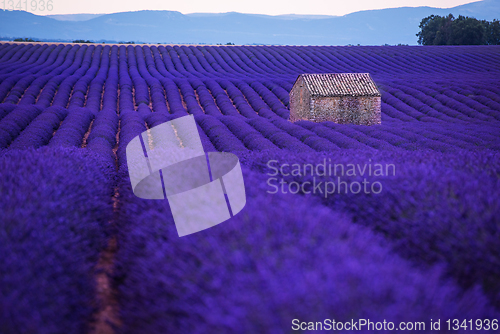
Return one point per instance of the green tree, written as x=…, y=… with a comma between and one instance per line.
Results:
x=492, y=32
x=24, y=40
x=434, y=30
x=467, y=31
x=463, y=30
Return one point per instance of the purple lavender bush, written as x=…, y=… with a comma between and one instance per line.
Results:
x=283, y=257
x=424, y=247
x=437, y=208
x=56, y=208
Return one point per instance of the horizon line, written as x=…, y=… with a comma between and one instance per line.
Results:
x=230, y=12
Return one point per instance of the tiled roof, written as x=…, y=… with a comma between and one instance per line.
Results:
x=340, y=84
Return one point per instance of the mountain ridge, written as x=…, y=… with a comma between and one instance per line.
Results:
x=370, y=27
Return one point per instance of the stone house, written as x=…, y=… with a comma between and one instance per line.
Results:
x=344, y=98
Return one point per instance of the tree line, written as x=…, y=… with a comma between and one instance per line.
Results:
x=463, y=30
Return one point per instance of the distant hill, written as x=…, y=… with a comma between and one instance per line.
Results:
x=372, y=27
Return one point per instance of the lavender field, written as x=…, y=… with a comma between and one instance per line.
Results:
x=80, y=253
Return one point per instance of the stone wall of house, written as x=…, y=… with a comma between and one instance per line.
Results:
x=346, y=110
x=361, y=110
x=300, y=99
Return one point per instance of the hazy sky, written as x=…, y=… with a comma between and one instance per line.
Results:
x=271, y=7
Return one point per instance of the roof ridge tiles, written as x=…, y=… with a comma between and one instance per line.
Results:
x=340, y=84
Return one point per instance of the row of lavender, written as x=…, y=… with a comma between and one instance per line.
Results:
x=280, y=60
x=286, y=256
x=283, y=257
x=31, y=127
x=287, y=61
x=268, y=73
x=280, y=257
x=55, y=212
x=146, y=82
